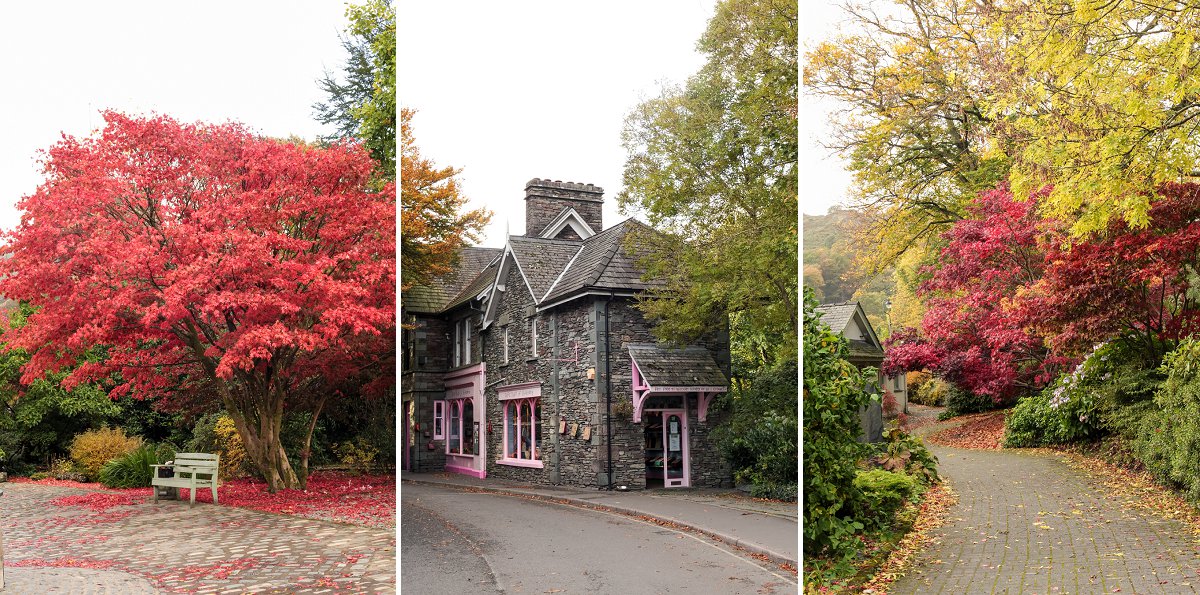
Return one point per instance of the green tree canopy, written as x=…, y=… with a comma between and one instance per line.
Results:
x=363, y=104
x=714, y=163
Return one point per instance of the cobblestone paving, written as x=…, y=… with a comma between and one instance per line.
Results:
x=177, y=549
x=1028, y=523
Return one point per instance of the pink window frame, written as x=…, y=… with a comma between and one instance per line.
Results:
x=457, y=405
x=439, y=420
x=518, y=406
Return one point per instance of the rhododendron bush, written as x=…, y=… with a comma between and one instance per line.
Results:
x=251, y=271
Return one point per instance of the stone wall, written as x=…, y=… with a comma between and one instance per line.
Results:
x=513, y=310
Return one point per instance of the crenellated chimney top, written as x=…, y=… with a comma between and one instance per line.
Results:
x=546, y=200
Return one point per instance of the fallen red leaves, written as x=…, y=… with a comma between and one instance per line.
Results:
x=101, y=501
x=367, y=500
x=982, y=430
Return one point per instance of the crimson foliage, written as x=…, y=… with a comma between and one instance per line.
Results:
x=1134, y=286
x=977, y=331
x=206, y=257
x=1014, y=300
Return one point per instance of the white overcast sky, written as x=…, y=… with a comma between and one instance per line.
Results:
x=824, y=180
x=254, y=62
x=510, y=91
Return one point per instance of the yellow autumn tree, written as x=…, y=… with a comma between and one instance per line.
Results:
x=433, y=225
x=1102, y=103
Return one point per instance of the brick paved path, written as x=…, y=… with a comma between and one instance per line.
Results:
x=169, y=548
x=1027, y=523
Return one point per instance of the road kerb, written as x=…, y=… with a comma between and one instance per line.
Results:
x=736, y=542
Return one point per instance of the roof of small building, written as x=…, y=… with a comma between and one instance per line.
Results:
x=839, y=316
x=670, y=366
x=445, y=291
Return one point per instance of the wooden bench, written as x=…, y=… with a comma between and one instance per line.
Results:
x=191, y=470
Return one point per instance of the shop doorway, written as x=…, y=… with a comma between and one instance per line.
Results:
x=666, y=442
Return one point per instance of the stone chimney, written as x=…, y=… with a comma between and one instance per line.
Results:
x=545, y=200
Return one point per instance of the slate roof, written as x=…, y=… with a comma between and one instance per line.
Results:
x=837, y=316
x=667, y=366
x=604, y=263
x=542, y=260
x=555, y=269
x=445, y=290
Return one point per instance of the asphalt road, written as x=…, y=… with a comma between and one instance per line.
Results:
x=456, y=542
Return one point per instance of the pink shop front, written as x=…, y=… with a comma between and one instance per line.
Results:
x=456, y=421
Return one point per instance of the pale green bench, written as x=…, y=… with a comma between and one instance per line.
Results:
x=192, y=470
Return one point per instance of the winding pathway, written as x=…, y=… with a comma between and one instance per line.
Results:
x=1028, y=523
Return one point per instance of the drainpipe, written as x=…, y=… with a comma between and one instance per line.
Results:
x=608, y=389
x=556, y=472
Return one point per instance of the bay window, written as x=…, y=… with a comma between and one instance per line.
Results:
x=523, y=431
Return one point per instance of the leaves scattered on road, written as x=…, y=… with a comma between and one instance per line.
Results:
x=931, y=515
x=981, y=431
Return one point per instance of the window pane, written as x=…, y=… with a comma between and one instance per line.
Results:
x=526, y=430
x=510, y=425
x=455, y=439
x=537, y=432
x=468, y=417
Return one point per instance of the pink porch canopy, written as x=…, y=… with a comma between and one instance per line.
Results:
x=665, y=370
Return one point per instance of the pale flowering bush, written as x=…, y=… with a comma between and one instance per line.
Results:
x=1065, y=411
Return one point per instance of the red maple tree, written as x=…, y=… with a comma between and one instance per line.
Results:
x=206, y=258
x=979, y=331
x=1131, y=285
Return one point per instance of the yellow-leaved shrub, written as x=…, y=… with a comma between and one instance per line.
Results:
x=92, y=449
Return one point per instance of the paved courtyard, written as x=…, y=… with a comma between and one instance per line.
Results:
x=166, y=547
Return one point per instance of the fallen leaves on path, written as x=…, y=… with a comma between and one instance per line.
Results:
x=101, y=501
x=981, y=430
x=932, y=514
x=367, y=500
x=1137, y=489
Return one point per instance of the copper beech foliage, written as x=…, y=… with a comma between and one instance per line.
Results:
x=205, y=258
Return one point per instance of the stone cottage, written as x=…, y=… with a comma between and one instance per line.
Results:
x=850, y=321
x=531, y=362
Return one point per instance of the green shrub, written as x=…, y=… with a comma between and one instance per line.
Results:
x=130, y=470
x=884, y=492
x=1031, y=423
x=924, y=389
x=215, y=433
x=902, y=452
x=91, y=450
x=357, y=455
x=1169, y=440
x=785, y=492
x=66, y=470
x=832, y=397
x=962, y=402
